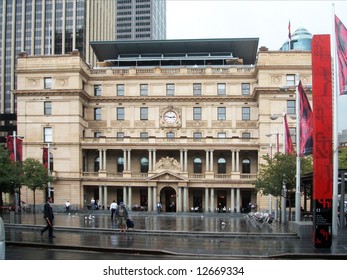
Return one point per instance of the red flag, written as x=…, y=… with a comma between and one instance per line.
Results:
x=289, y=142
x=45, y=157
x=306, y=123
x=289, y=33
x=16, y=151
x=341, y=46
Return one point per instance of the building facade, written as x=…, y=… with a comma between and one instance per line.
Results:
x=141, y=20
x=187, y=130
x=43, y=27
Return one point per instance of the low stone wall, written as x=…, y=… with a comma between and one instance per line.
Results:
x=304, y=229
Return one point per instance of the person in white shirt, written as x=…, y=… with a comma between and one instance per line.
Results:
x=113, y=208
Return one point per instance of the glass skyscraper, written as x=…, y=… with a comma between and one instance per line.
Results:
x=44, y=27
x=141, y=20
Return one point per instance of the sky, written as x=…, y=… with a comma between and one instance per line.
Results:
x=266, y=20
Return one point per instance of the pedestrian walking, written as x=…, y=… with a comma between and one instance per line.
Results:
x=159, y=206
x=113, y=208
x=67, y=206
x=122, y=216
x=49, y=217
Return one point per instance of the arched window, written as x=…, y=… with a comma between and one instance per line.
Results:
x=144, y=165
x=222, y=166
x=197, y=165
x=246, y=166
x=120, y=164
x=96, y=164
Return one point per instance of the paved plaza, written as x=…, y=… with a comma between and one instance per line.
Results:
x=219, y=235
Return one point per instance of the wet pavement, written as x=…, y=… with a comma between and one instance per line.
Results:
x=189, y=235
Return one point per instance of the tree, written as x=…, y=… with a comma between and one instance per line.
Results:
x=35, y=176
x=281, y=169
x=10, y=174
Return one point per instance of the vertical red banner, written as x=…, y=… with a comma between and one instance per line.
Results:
x=322, y=140
x=45, y=157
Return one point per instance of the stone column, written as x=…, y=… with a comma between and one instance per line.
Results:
x=212, y=200
x=125, y=195
x=233, y=160
x=105, y=197
x=237, y=161
x=211, y=160
x=154, y=159
x=149, y=195
x=100, y=160
x=104, y=160
x=130, y=198
x=238, y=197
x=207, y=161
x=179, y=200
x=125, y=162
x=185, y=160
x=100, y=195
x=150, y=164
x=206, y=200
x=232, y=202
x=154, y=198
x=185, y=196
x=181, y=160
x=129, y=160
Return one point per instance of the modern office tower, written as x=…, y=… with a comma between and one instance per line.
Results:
x=43, y=27
x=181, y=122
x=141, y=20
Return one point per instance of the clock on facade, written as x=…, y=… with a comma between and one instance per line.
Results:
x=170, y=117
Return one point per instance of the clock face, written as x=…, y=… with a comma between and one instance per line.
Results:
x=170, y=117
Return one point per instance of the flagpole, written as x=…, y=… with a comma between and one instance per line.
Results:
x=297, y=188
x=335, y=132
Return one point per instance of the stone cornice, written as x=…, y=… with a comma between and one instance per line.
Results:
x=50, y=92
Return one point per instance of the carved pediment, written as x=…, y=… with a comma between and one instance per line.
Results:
x=168, y=163
x=167, y=176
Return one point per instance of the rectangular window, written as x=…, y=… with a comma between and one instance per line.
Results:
x=170, y=135
x=97, y=134
x=221, y=113
x=47, y=134
x=120, y=90
x=290, y=80
x=120, y=114
x=221, y=135
x=291, y=107
x=221, y=89
x=170, y=89
x=196, y=89
x=246, y=88
x=47, y=108
x=48, y=82
x=144, y=135
x=246, y=113
x=144, y=90
x=97, y=90
x=120, y=136
x=292, y=131
x=144, y=113
x=197, y=113
x=246, y=135
x=197, y=135
x=97, y=114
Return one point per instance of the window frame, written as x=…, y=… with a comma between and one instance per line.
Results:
x=48, y=134
x=221, y=113
x=120, y=89
x=291, y=107
x=47, y=110
x=197, y=113
x=170, y=89
x=290, y=80
x=120, y=111
x=197, y=89
x=97, y=114
x=221, y=89
x=143, y=89
x=144, y=113
x=48, y=82
x=246, y=116
x=245, y=88
x=97, y=90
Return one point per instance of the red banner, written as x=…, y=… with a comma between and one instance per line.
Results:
x=15, y=148
x=322, y=140
x=45, y=157
x=341, y=46
x=289, y=142
x=306, y=123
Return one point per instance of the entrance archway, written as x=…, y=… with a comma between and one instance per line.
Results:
x=168, y=199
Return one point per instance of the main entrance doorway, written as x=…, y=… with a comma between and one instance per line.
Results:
x=168, y=199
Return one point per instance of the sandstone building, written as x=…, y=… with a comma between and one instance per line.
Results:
x=183, y=122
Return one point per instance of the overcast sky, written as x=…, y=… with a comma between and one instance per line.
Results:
x=266, y=20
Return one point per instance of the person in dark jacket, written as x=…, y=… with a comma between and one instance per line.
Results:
x=49, y=217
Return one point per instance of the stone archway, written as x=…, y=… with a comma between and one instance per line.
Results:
x=168, y=198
